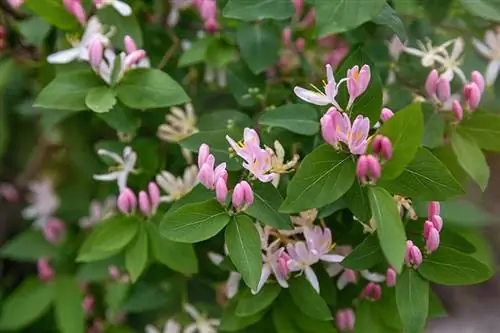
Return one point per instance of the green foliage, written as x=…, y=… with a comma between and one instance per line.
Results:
x=136, y=255
x=249, y=304
x=28, y=246
x=100, y=99
x=483, y=128
x=364, y=256
x=308, y=300
x=68, y=305
x=258, y=9
x=412, y=297
x=53, y=11
x=488, y=9
x=297, y=118
x=259, y=45
x=267, y=201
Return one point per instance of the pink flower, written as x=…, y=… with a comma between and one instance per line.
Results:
x=345, y=320
x=382, y=146
x=54, y=231
x=372, y=291
x=368, y=168
x=386, y=114
x=75, y=8
x=457, y=110
x=88, y=303
x=221, y=191
x=45, y=271
x=242, y=195
x=431, y=83
x=432, y=240
x=472, y=95
x=96, y=53
x=413, y=255
x=15, y=3
x=443, y=89
x=130, y=45
x=391, y=277
x=434, y=208
x=358, y=135
x=127, y=201
x=336, y=126
x=144, y=203
x=357, y=82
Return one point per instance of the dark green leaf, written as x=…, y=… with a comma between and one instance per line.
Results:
x=223, y=120
x=483, y=128
x=230, y=322
x=196, y=53
x=487, y=9
x=390, y=230
x=194, y=222
x=220, y=53
x=365, y=255
x=366, y=320
x=436, y=308
x=357, y=201
x=28, y=246
x=68, y=302
x=412, y=297
x=198, y=193
x=308, y=300
x=258, y=9
x=454, y=240
x=259, y=45
x=34, y=30
x=249, y=304
x=122, y=119
x=297, y=118
x=434, y=127
x=389, y=18
x=243, y=245
x=282, y=322
x=267, y=201
x=136, y=255
x=124, y=25
x=100, y=99
x=54, y=12
x=322, y=178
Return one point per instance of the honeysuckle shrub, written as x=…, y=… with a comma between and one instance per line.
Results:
x=243, y=165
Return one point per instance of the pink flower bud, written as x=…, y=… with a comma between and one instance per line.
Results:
x=133, y=58
x=114, y=272
x=472, y=95
x=129, y=43
x=208, y=10
x=328, y=129
x=309, y=19
x=248, y=193
x=299, y=7
x=9, y=192
x=220, y=172
x=432, y=241
x=443, y=89
x=96, y=51
x=357, y=82
x=431, y=83
x=372, y=291
x=144, y=204
x=386, y=114
x=286, y=36
x=374, y=168
x=88, y=303
x=345, y=320
x=413, y=255
x=391, y=277
x=154, y=194
x=300, y=44
x=206, y=176
x=428, y=226
x=238, y=196
x=377, y=143
x=75, y=8
x=283, y=260
x=386, y=148
x=15, y=3
x=221, y=190
x=54, y=231
x=437, y=221
x=45, y=271
x=203, y=154
x=434, y=208
x=350, y=276
x=478, y=79
x=127, y=201
x=458, y=112
x=362, y=168
x=211, y=25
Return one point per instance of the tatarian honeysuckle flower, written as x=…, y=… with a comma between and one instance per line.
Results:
x=368, y=169
x=88, y=303
x=432, y=241
x=96, y=54
x=433, y=208
x=405, y=204
x=201, y=324
x=299, y=7
x=357, y=82
x=242, y=196
x=428, y=53
x=121, y=7
x=54, y=231
x=221, y=191
x=209, y=174
x=452, y=61
x=45, y=271
x=15, y=3
x=443, y=91
x=382, y=146
x=98, y=212
x=43, y=202
x=413, y=257
x=386, y=114
x=347, y=276
x=144, y=204
x=372, y=292
x=318, y=97
x=208, y=13
x=336, y=126
x=125, y=166
x=177, y=187
x=175, y=7
x=171, y=326
x=395, y=47
x=345, y=320
x=75, y=8
x=79, y=50
x=116, y=275
x=478, y=79
x=275, y=261
x=180, y=123
x=278, y=165
x=431, y=83
x=472, y=96
x=490, y=49
x=127, y=201
x=303, y=220
x=215, y=75
x=286, y=36
x=391, y=277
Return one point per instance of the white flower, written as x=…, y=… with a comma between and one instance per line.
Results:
x=349, y=276
x=177, y=187
x=171, y=326
x=451, y=62
x=233, y=281
x=97, y=212
x=179, y=124
x=278, y=164
x=201, y=324
x=175, y=7
x=79, y=50
x=125, y=166
x=120, y=6
x=303, y=220
x=396, y=47
x=490, y=49
x=218, y=75
x=43, y=202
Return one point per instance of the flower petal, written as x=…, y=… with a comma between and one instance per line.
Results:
x=312, y=278
x=266, y=272
x=122, y=8
x=334, y=258
x=233, y=284
x=372, y=277
x=492, y=72
x=310, y=96
x=64, y=57
x=107, y=177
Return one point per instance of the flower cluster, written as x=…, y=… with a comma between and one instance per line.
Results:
x=336, y=127
x=177, y=187
x=125, y=166
x=432, y=227
x=148, y=202
x=201, y=324
x=368, y=168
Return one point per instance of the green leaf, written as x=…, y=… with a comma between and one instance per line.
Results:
x=267, y=200
x=390, y=18
x=436, y=309
x=198, y=193
x=115, y=296
x=483, y=128
x=243, y=245
x=230, y=322
x=196, y=53
x=34, y=30
x=434, y=128
x=364, y=256
x=454, y=240
x=136, y=255
x=366, y=320
x=390, y=230
x=452, y=268
x=167, y=252
x=282, y=322
x=124, y=25
x=109, y=237
x=425, y=178
x=122, y=119
x=369, y=103
x=297, y=118
x=68, y=91
x=471, y=158
x=487, y=9
x=259, y=45
x=357, y=201
x=343, y=15
x=194, y=222
x=26, y=304
x=412, y=298
x=100, y=99
x=97, y=271
x=146, y=297
x=54, y=12
x=220, y=53
x=149, y=88
x=322, y=178
x=405, y=130
x=249, y=304
x=223, y=120
x=308, y=300
x=68, y=303
x=28, y=246
x=257, y=10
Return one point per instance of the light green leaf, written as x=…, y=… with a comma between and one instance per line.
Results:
x=97, y=271
x=220, y=53
x=109, y=237
x=136, y=255
x=34, y=30
x=471, y=158
x=434, y=127
x=390, y=18
x=150, y=296
x=54, y=12
x=405, y=130
x=258, y=9
x=267, y=200
x=68, y=303
x=259, y=45
x=26, y=304
x=343, y=15
x=412, y=298
x=452, y=268
x=487, y=9
x=68, y=91
x=297, y=118
x=390, y=230
x=115, y=296
x=308, y=300
x=196, y=53
x=124, y=25
x=425, y=178
x=483, y=128
x=364, y=256
x=322, y=178
x=194, y=222
x=436, y=309
x=366, y=319
x=28, y=246
x=122, y=119
x=149, y=88
x=250, y=304
x=167, y=252
x=230, y=322
x=243, y=245
x=198, y=194
x=100, y=99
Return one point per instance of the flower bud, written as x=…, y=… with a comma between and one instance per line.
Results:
x=478, y=79
x=208, y=10
x=374, y=168
x=458, y=112
x=96, y=52
x=437, y=221
x=154, y=194
x=211, y=25
x=377, y=144
x=372, y=291
x=434, y=208
x=345, y=320
x=472, y=95
x=413, y=255
x=283, y=260
x=54, y=231
x=431, y=83
x=238, y=196
x=221, y=190
x=206, y=176
x=76, y=9
x=15, y=3
x=386, y=148
x=286, y=36
x=428, y=225
x=248, y=193
x=299, y=7
x=443, y=89
x=386, y=114
x=133, y=58
x=350, y=276
x=391, y=277
x=300, y=44
x=144, y=203
x=130, y=45
x=114, y=272
x=328, y=129
x=432, y=241
x=203, y=153
x=45, y=271
x=88, y=303
x=127, y=201
x=362, y=167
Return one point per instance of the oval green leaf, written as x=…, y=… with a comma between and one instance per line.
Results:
x=297, y=118
x=412, y=298
x=267, y=200
x=364, y=256
x=249, y=304
x=69, y=312
x=308, y=300
x=136, y=255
